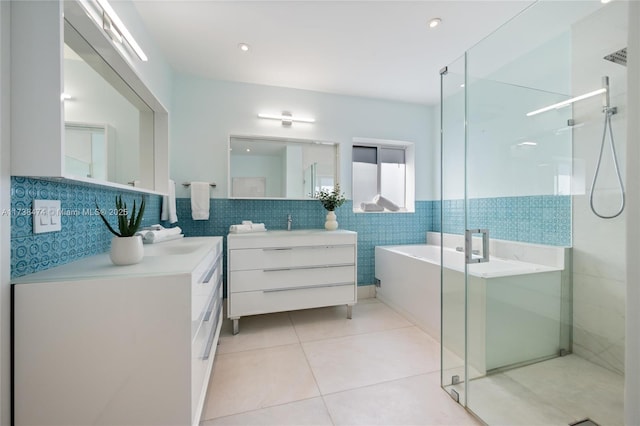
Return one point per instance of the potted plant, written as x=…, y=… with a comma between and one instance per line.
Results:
x=126, y=246
x=331, y=200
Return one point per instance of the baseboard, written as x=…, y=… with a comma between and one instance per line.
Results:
x=366, y=291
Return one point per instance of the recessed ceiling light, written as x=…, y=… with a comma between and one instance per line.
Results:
x=605, y=1
x=244, y=47
x=462, y=85
x=434, y=22
x=248, y=150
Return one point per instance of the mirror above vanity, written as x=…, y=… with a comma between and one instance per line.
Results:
x=83, y=113
x=280, y=168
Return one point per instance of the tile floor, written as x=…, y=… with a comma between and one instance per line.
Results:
x=559, y=391
x=315, y=367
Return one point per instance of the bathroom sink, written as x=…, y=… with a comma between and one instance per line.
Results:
x=171, y=248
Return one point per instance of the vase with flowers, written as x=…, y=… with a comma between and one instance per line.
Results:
x=331, y=200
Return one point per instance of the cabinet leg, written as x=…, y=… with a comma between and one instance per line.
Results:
x=349, y=311
x=236, y=326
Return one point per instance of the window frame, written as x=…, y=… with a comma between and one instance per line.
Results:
x=409, y=161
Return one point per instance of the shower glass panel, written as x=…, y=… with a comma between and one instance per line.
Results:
x=526, y=344
x=453, y=287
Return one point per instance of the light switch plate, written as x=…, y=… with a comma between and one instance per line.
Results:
x=46, y=216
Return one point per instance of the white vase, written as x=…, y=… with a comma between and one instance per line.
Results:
x=126, y=250
x=331, y=224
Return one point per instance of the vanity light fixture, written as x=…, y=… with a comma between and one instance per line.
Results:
x=434, y=22
x=104, y=15
x=244, y=47
x=527, y=143
x=567, y=102
x=286, y=118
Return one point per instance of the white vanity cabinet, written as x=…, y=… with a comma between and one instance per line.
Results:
x=278, y=271
x=101, y=344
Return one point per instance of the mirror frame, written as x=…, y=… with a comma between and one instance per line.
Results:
x=297, y=141
x=154, y=171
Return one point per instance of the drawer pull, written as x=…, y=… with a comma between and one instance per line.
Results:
x=326, y=246
x=212, y=335
x=207, y=315
x=295, y=268
x=303, y=287
x=211, y=271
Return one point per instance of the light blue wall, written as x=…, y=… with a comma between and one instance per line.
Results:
x=205, y=112
x=156, y=73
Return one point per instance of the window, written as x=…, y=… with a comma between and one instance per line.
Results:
x=382, y=171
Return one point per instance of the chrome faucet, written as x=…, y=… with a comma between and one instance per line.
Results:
x=289, y=221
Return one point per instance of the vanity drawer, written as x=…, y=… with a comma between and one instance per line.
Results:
x=202, y=348
x=283, y=257
x=203, y=281
x=199, y=318
x=259, y=302
x=280, y=278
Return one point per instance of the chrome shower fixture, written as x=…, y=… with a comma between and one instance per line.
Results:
x=618, y=57
x=608, y=111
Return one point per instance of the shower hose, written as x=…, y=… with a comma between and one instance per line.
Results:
x=607, y=124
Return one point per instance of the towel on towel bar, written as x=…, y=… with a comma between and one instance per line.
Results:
x=200, y=200
x=169, y=204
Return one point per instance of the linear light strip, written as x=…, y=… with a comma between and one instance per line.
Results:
x=123, y=30
x=287, y=118
x=567, y=102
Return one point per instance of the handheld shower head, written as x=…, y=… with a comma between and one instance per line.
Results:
x=606, y=100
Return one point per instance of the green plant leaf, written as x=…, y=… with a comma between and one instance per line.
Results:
x=106, y=222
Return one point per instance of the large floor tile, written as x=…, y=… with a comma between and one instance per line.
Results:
x=310, y=412
x=257, y=331
x=250, y=380
x=324, y=323
x=499, y=400
x=577, y=386
x=354, y=361
x=417, y=400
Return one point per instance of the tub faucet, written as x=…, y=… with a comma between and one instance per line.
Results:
x=289, y=221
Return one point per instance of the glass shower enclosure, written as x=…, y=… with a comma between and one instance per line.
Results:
x=524, y=340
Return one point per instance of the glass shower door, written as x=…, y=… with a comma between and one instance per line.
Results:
x=453, y=303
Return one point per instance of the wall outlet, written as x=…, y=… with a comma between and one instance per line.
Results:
x=46, y=216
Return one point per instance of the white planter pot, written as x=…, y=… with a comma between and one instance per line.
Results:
x=331, y=223
x=126, y=250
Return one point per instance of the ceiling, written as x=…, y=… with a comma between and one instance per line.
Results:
x=376, y=49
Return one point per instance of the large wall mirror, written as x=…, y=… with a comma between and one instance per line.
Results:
x=105, y=120
x=271, y=167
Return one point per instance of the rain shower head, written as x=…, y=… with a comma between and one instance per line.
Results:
x=619, y=57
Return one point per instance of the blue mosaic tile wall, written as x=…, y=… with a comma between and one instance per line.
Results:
x=83, y=233
x=542, y=219
x=373, y=228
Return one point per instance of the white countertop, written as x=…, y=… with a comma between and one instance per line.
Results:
x=292, y=233
x=171, y=257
